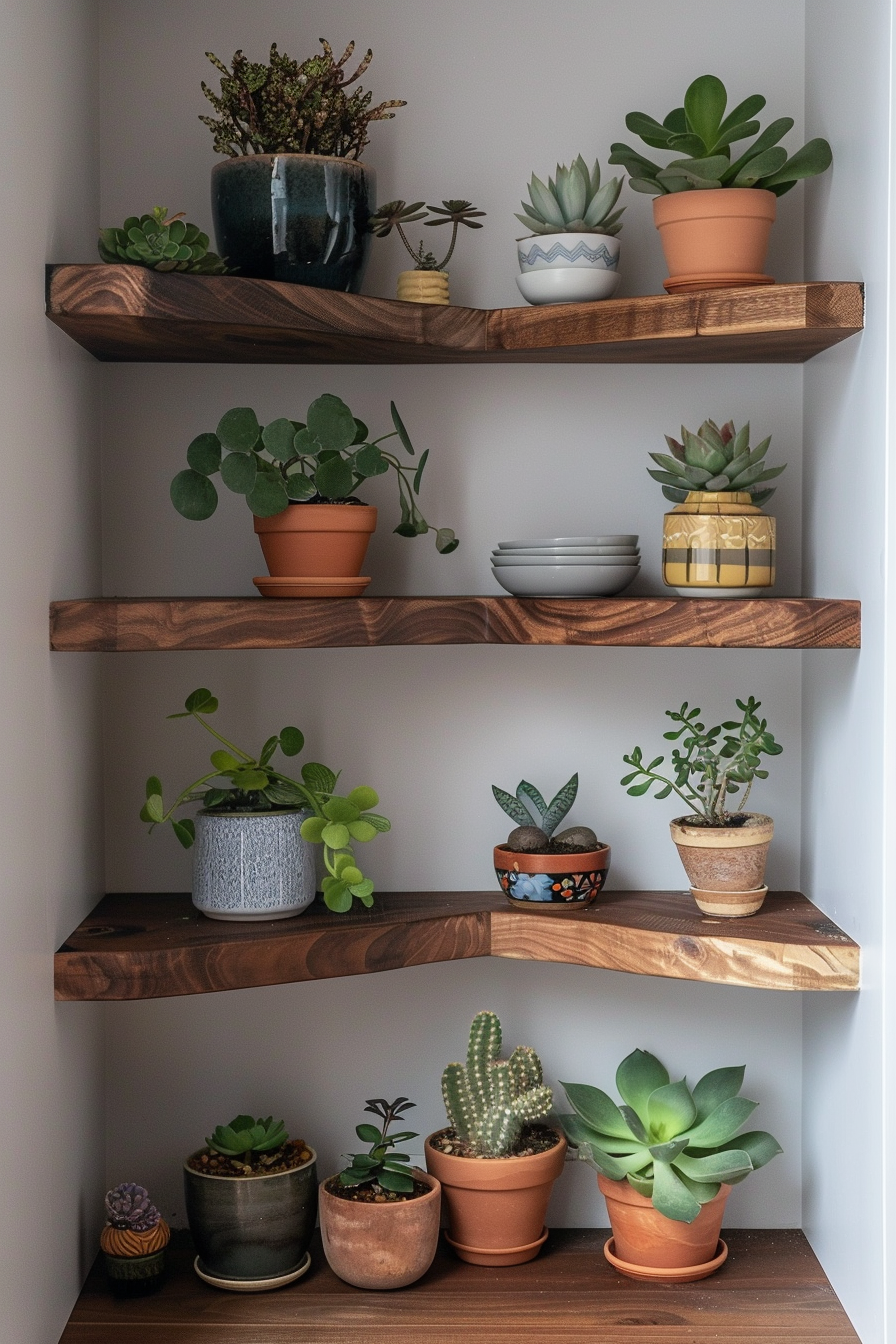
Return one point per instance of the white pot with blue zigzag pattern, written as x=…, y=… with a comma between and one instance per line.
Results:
x=559, y=251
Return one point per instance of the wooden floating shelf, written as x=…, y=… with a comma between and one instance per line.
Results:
x=159, y=946
x=134, y=624
x=771, y=1289
x=131, y=313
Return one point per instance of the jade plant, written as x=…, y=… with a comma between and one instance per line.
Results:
x=573, y=202
x=293, y=107
x=701, y=136
x=396, y=213
x=673, y=1144
x=162, y=244
x=714, y=459
x=326, y=457
x=490, y=1100
x=243, y=783
x=244, y=1137
x=536, y=820
x=707, y=767
x=380, y=1168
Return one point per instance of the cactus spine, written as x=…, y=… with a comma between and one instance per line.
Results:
x=491, y=1099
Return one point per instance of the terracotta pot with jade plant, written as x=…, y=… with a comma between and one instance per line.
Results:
x=133, y=1242
x=253, y=838
x=251, y=1196
x=717, y=542
x=571, y=253
x=666, y=1160
x=723, y=851
x=497, y=1161
x=535, y=864
x=715, y=205
x=428, y=281
x=379, y=1218
x=292, y=198
x=299, y=480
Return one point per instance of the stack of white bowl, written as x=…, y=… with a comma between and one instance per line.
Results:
x=567, y=566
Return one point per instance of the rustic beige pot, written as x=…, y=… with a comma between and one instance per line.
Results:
x=423, y=286
x=381, y=1245
x=725, y=862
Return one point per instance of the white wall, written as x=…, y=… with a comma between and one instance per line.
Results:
x=51, y=1059
x=555, y=449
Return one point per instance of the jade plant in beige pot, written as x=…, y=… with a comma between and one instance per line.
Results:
x=666, y=1160
x=723, y=851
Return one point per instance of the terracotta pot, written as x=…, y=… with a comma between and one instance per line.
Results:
x=730, y=904
x=644, y=1236
x=718, y=544
x=496, y=1205
x=724, y=858
x=423, y=287
x=317, y=540
x=562, y=879
x=381, y=1245
x=715, y=239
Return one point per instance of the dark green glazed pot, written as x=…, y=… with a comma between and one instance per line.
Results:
x=252, y=1227
x=295, y=217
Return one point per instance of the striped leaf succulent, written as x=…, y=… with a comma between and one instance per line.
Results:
x=162, y=244
x=673, y=1144
x=714, y=460
x=573, y=202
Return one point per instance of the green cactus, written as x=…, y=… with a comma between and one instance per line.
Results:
x=162, y=244
x=490, y=1100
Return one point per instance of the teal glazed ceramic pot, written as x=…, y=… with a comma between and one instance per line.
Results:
x=295, y=217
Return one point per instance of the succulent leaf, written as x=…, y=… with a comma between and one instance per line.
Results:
x=573, y=201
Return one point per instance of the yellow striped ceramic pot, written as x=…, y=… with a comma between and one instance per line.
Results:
x=423, y=286
x=721, y=545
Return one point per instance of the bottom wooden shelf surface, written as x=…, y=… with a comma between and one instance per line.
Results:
x=771, y=1290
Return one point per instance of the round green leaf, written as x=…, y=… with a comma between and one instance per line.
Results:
x=446, y=541
x=250, y=780
x=185, y=832
x=305, y=442
x=362, y=890
x=337, y=897
x=400, y=429
x=312, y=829
x=267, y=496
x=334, y=478
x=154, y=807
x=362, y=830
x=370, y=461
x=279, y=439
x=238, y=429
x=331, y=422
x=222, y=760
x=204, y=454
x=193, y=495
x=299, y=486
x=200, y=701
x=335, y=835
x=363, y=798
x=351, y=875
x=340, y=810
x=291, y=741
x=361, y=432
x=239, y=472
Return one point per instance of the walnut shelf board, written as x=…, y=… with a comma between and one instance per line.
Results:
x=771, y=1290
x=134, y=624
x=159, y=946
x=131, y=313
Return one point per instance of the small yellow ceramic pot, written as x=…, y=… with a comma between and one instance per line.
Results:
x=719, y=544
x=423, y=286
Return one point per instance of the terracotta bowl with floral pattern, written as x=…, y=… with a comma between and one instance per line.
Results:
x=552, y=879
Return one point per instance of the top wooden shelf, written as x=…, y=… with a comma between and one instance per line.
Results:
x=131, y=313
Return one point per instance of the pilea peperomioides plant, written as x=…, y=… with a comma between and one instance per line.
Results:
x=490, y=1100
x=715, y=460
x=674, y=1145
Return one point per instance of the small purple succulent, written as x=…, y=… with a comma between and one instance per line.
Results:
x=128, y=1207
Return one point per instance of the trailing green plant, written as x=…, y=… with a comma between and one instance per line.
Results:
x=325, y=457
x=703, y=773
x=573, y=202
x=528, y=807
x=701, y=136
x=490, y=1100
x=240, y=783
x=292, y=107
x=395, y=213
x=380, y=1167
x=245, y=1136
x=715, y=459
x=162, y=244
x=674, y=1145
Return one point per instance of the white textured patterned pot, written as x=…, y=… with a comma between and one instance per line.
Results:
x=252, y=865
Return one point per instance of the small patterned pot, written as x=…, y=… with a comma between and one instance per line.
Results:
x=587, y=251
x=135, y=1275
x=718, y=545
x=252, y=865
x=560, y=879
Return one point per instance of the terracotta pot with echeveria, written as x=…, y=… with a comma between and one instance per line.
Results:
x=497, y=1161
x=379, y=1218
x=428, y=281
x=715, y=205
x=133, y=1242
x=254, y=836
x=537, y=864
x=572, y=251
x=666, y=1160
x=723, y=851
x=299, y=480
x=292, y=198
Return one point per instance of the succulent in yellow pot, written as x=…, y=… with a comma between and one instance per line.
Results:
x=717, y=542
x=428, y=281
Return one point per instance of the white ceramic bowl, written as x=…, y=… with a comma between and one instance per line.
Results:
x=565, y=581
x=614, y=539
x=570, y=285
x=547, y=551
x=565, y=251
x=570, y=561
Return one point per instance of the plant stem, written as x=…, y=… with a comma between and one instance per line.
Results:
x=443, y=264
x=214, y=732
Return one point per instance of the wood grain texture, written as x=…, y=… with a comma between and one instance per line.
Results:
x=131, y=625
x=131, y=313
x=159, y=946
x=771, y=1290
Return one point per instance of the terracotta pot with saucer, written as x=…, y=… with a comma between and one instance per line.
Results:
x=725, y=864
x=715, y=239
x=315, y=550
x=647, y=1245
